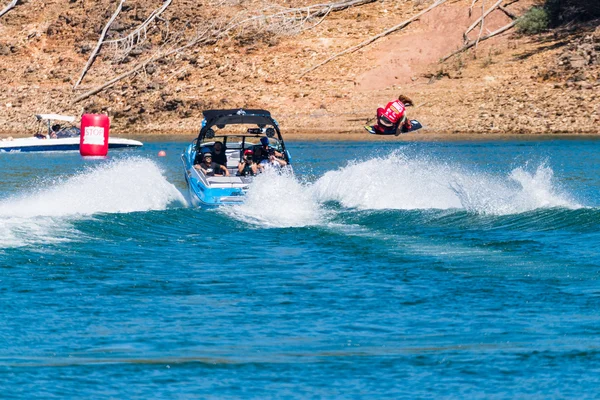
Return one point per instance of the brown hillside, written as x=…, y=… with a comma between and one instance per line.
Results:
x=509, y=84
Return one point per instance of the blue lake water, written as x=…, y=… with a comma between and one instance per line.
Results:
x=380, y=270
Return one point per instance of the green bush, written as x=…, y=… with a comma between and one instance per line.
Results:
x=534, y=21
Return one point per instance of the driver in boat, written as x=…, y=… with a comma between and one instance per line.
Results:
x=52, y=134
x=55, y=129
x=210, y=168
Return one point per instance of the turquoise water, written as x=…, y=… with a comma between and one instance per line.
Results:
x=427, y=270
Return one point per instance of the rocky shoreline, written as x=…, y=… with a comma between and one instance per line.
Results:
x=510, y=85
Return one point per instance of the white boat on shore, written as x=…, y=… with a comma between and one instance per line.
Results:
x=56, y=137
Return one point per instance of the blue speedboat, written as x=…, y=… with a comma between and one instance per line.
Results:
x=245, y=137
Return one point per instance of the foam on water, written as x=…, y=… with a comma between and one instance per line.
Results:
x=43, y=214
x=519, y=192
x=278, y=200
x=394, y=182
x=398, y=182
x=403, y=183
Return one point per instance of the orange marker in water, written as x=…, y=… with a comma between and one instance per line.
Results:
x=162, y=153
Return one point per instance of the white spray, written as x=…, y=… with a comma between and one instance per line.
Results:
x=278, y=200
x=122, y=186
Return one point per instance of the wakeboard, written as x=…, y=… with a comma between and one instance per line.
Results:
x=416, y=125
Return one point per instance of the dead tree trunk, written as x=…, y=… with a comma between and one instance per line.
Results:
x=9, y=7
x=374, y=38
x=202, y=38
x=99, y=44
x=299, y=14
x=471, y=44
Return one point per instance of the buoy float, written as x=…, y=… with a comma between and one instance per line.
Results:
x=94, y=135
x=162, y=153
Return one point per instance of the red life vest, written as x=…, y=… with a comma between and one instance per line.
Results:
x=394, y=111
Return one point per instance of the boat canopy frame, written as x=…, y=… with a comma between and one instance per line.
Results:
x=49, y=119
x=222, y=118
x=54, y=117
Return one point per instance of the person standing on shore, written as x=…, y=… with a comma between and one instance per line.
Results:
x=391, y=119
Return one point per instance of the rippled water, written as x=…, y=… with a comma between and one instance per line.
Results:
x=463, y=269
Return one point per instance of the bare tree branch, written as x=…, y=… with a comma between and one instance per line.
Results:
x=376, y=37
x=139, y=34
x=471, y=44
x=482, y=23
x=200, y=38
x=283, y=20
x=471, y=8
x=295, y=16
x=480, y=20
x=509, y=13
x=335, y=7
x=99, y=44
x=9, y=7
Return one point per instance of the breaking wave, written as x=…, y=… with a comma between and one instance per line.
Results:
x=401, y=183
x=398, y=182
x=43, y=214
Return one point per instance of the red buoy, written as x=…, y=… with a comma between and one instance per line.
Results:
x=94, y=135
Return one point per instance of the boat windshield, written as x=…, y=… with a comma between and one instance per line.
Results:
x=234, y=142
x=68, y=132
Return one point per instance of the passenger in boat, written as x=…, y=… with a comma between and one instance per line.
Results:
x=266, y=151
x=265, y=156
x=268, y=159
x=273, y=161
x=54, y=132
x=219, y=154
x=210, y=168
x=246, y=166
x=391, y=119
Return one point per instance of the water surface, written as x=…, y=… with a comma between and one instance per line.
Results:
x=387, y=270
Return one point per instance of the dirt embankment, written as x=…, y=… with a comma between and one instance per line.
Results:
x=509, y=84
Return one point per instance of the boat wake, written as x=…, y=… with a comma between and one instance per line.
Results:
x=278, y=200
x=399, y=182
x=44, y=214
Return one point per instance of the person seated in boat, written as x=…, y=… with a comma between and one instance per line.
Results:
x=391, y=119
x=247, y=166
x=54, y=131
x=200, y=155
x=218, y=154
x=265, y=151
x=267, y=158
x=210, y=168
x=273, y=161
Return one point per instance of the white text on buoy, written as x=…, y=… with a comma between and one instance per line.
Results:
x=94, y=135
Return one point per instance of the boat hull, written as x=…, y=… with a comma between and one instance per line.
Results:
x=214, y=191
x=66, y=144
